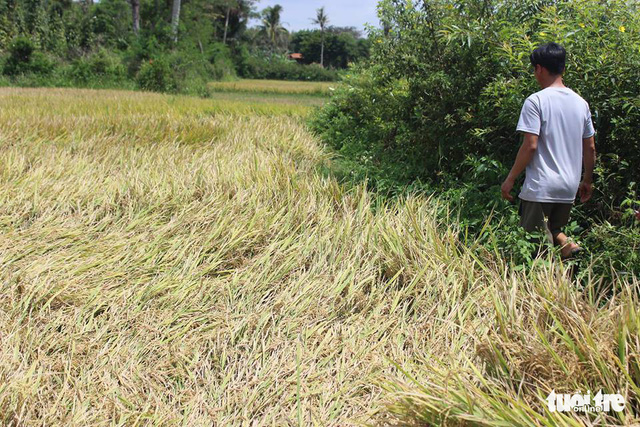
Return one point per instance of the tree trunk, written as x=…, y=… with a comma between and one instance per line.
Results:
x=175, y=19
x=322, y=51
x=135, y=12
x=226, y=25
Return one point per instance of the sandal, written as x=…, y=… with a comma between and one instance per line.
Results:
x=575, y=251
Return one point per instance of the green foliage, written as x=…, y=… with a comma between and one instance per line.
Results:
x=449, y=79
x=219, y=57
x=111, y=23
x=271, y=29
x=20, y=54
x=278, y=67
x=101, y=66
x=92, y=44
x=24, y=59
x=440, y=98
x=615, y=249
x=340, y=47
x=156, y=75
x=192, y=72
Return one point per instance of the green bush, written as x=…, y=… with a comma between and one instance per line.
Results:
x=20, y=53
x=440, y=97
x=449, y=79
x=105, y=64
x=25, y=59
x=80, y=71
x=340, y=47
x=276, y=67
x=221, y=64
x=177, y=71
x=156, y=75
x=194, y=70
x=99, y=67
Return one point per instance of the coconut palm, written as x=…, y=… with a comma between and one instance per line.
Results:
x=175, y=19
x=135, y=14
x=272, y=27
x=230, y=4
x=321, y=19
x=236, y=14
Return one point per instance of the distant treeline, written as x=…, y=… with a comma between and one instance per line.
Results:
x=164, y=45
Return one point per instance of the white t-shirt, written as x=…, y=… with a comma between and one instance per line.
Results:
x=561, y=119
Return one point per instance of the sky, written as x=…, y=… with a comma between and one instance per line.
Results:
x=297, y=14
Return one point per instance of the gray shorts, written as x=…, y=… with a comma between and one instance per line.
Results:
x=549, y=218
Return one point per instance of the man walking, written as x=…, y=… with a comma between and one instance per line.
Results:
x=558, y=141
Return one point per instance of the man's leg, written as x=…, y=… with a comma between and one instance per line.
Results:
x=533, y=218
x=558, y=214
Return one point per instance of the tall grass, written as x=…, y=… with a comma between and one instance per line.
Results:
x=172, y=260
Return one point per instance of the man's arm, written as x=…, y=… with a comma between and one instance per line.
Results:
x=525, y=154
x=589, y=160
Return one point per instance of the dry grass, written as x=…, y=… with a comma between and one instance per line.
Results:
x=177, y=261
x=274, y=87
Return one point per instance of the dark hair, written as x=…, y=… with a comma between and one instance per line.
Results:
x=551, y=56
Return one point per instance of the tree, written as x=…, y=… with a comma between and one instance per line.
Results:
x=341, y=47
x=271, y=26
x=175, y=19
x=357, y=34
x=321, y=19
x=239, y=17
x=135, y=14
x=235, y=15
x=226, y=24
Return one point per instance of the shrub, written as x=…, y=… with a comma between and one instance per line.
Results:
x=280, y=68
x=20, y=53
x=340, y=47
x=194, y=70
x=221, y=65
x=98, y=68
x=24, y=59
x=449, y=79
x=80, y=71
x=441, y=95
x=156, y=75
x=105, y=64
x=615, y=249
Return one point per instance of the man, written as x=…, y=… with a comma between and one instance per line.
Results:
x=558, y=141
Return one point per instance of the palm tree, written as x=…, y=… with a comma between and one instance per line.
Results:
x=226, y=23
x=321, y=19
x=271, y=25
x=135, y=12
x=175, y=19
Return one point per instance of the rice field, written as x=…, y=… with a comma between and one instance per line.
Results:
x=273, y=87
x=169, y=260
x=288, y=102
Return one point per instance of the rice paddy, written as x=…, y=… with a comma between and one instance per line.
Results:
x=170, y=260
x=274, y=87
